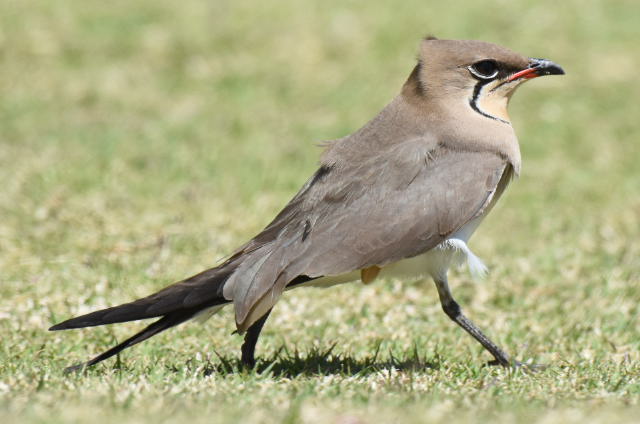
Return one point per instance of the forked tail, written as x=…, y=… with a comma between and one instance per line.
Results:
x=176, y=304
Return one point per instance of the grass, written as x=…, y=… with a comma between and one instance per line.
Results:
x=140, y=142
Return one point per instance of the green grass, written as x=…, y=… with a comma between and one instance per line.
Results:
x=140, y=142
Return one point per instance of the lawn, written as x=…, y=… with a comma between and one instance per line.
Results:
x=141, y=142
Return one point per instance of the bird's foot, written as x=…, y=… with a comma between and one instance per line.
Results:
x=75, y=368
x=517, y=365
x=247, y=363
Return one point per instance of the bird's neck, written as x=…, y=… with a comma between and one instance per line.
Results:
x=409, y=117
x=459, y=125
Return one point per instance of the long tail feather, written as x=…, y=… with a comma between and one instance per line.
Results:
x=200, y=291
x=175, y=304
x=159, y=326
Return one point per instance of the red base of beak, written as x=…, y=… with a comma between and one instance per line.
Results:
x=537, y=68
x=525, y=73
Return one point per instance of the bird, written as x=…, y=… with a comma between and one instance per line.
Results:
x=398, y=198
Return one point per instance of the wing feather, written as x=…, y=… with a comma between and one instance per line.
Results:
x=349, y=216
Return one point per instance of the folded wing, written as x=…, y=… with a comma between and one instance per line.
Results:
x=389, y=206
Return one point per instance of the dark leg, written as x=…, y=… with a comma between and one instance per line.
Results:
x=250, y=340
x=452, y=309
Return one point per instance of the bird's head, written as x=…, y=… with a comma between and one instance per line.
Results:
x=475, y=75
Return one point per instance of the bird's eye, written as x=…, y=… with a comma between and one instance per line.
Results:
x=485, y=69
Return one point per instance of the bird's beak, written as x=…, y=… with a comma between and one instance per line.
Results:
x=538, y=68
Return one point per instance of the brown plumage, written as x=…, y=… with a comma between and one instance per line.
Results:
x=402, y=195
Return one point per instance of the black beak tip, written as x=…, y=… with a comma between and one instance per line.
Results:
x=546, y=67
x=554, y=69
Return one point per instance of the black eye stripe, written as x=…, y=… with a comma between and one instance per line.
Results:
x=473, y=101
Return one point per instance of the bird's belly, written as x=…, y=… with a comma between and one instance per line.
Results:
x=433, y=263
x=427, y=264
x=333, y=280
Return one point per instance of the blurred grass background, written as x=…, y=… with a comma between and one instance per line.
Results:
x=140, y=142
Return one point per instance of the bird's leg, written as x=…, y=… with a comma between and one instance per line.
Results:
x=250, y=339
x=452, y=309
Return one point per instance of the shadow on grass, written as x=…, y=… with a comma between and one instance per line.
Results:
x=317, y=361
